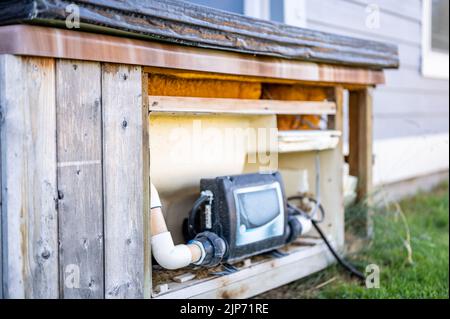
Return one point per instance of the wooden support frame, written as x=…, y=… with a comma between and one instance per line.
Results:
x=90, y=122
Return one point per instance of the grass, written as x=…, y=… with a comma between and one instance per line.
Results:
x=410, y=246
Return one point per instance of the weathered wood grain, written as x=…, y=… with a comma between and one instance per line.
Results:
x=29, y=189
x=146, y=188
x=190, y=24
x=361, y=146
x=80, y=204
x=123, y=173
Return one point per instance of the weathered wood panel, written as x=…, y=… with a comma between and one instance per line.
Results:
x=124, y=189
x=29, y=189
x=190, y=24
x=146, y=187
x=80, y=205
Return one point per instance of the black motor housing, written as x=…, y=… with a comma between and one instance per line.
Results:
x=229, y=193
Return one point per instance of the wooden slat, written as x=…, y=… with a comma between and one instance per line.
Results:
x=29, y=185
x=361, y=133
x=361, y=145
x=80, y=179
x=337, y=164
x=124, y=189
x=69, y=44
x=236, y=106
x=296, y=93
x=307, y=141
x=146, y=188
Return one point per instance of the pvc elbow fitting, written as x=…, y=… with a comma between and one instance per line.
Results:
x=167, y=254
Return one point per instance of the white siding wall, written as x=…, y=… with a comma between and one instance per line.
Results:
x=411, y=112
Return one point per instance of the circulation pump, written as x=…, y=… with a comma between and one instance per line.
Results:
x=234, y=218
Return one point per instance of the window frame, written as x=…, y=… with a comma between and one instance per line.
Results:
x=434, y=64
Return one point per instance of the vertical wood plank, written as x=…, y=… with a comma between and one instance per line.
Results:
x=338, y=162
x=29, y=189
x=146, y=186
x=80, y=179
x=123, y=181
x=335, y=163
x=361, y=140
x=361, y=146
x=353, y=114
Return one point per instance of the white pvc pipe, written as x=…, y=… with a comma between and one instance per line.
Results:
x=164, y=250
x=306, y=224
x=167, y=254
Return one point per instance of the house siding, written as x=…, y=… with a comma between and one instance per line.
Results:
x=409, y=107
x=409, y=104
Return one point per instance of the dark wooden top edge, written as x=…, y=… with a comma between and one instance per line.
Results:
x=188, y=24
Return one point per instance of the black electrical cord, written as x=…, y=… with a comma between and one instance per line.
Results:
x=349, y=267
x=193, y=215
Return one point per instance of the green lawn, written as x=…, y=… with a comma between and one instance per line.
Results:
x=411, y=248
